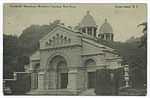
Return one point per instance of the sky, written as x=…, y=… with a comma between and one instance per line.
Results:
x=124, y=18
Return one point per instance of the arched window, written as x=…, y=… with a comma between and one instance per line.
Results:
x=65, y=40
x=69, y=41
x=46, y=44
x=90, y=63
x=61, y=40
x=54, y=42
x=37, y=67
x=57, y=39
x=50, y=42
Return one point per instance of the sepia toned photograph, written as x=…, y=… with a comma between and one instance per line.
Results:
x=75, y=49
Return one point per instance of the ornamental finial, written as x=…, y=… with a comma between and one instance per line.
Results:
x=88, y=12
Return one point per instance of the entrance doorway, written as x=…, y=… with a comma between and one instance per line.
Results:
x=58, y=73
x=91, y=79
x=63, y=80
x=90, y=66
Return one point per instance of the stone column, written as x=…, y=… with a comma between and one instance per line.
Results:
x=72, y=77
x=93, y=31
x=41, y=80
x=104, y=36
x=53, y=79
x=110, y=37
x=86, y=30
x=86, y=80
x=80, y=79
x=76, y=81
x=33, y=81
x=46, y=84
x=36, y=81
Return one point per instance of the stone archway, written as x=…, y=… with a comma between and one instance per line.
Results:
x=58, y=73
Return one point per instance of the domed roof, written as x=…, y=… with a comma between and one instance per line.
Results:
x=88, y=21
x=105, y=28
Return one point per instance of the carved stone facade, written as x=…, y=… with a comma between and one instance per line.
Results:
x=57, y=41
x=68, y=59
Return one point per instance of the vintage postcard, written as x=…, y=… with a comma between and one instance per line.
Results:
x=75, y=49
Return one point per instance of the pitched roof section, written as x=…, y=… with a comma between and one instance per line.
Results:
x=35, y=56
x=61, y=26
x=93, y=42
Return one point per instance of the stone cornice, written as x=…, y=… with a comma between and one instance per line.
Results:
x=74, y=69
x=34, y=60
x=61, y=47
x=109, y=51
x=118, y=59
x=93, y=44
x=114, y=58
x=94, y=54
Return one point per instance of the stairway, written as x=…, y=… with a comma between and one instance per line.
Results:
x=88, y=92
x=53, y=92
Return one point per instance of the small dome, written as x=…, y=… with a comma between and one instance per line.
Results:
x=105, y=28
x=88, y=21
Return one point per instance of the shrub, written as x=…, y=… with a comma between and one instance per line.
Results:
x=109, y=81
x=103, y=82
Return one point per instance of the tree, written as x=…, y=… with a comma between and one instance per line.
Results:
x=143, y=41
x=9, y=55
x=17, y=49
x=29, y=41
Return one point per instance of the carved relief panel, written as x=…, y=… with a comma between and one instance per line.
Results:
x=57, y=40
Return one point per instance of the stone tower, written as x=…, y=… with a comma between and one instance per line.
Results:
x=106, y=31
x=88, y=25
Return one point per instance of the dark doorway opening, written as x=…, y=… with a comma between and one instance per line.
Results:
x=64, y=80
x=91, y=79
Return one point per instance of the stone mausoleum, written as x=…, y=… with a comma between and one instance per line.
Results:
x=68, y=58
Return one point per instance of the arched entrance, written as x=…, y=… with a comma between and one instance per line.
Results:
x=90, y=66
x=58, y=73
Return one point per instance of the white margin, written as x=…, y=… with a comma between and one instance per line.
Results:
x=72, y=1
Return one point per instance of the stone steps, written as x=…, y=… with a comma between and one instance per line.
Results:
x=88, y=92
x=54, y=92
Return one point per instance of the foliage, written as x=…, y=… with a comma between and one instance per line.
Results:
x=9, y=55
x=133, y=56
x=21, y=85
x=29, y=39
x=108, y=81
x=119, y=76
x=17, y=49
x=145, y=27
x=143, y=41
x=103, y=82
